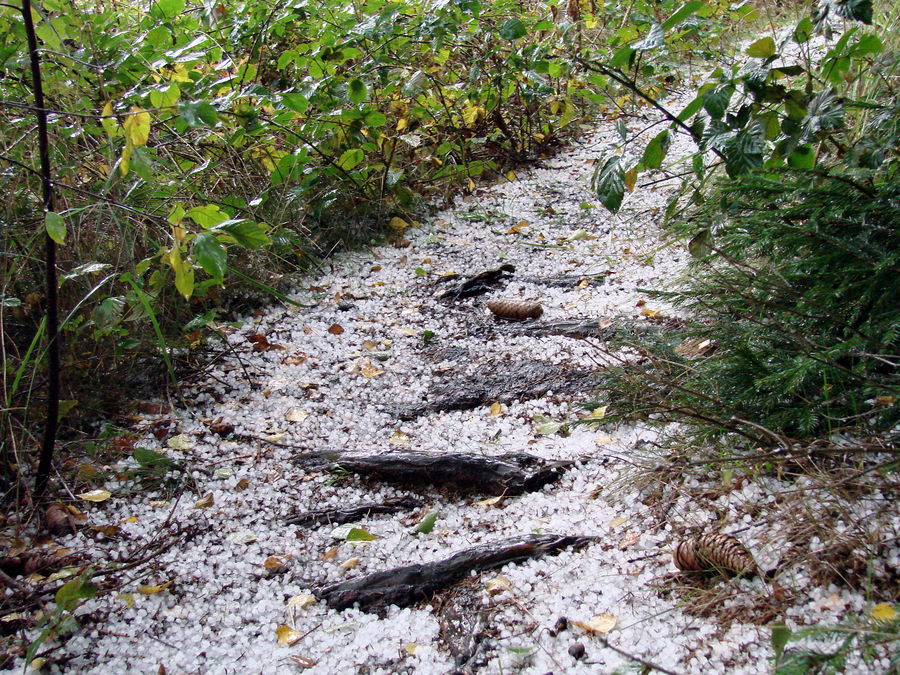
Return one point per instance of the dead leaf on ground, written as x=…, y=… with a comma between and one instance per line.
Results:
x=349, y=563
x=629, y=540
x=145, y=589
x=302, y=601
x=498, y=585
x=335, y=329
x=204, y=502
x=287, y=635
x=58, y=519
x=95, y=495
x=491, y=501
x=294, y=359
x=181, y=442
x=274, y=562
x=599, y=625
x=220, y=428
x=297, y=415
x=330, y=553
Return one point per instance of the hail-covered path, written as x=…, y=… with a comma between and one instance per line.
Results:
x=372, y=341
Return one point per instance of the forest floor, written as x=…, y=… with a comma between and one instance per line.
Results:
x=382, y=359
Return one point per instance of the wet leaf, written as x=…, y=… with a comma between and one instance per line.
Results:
x=96, y=495
x=145, y=589
x=181, y=442
x=287, y=635
x=360, y=534
x=599, y=625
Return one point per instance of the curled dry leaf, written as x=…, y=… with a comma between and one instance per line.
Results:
x=242, y=485
x=496, y=409
x=302, y=601
x=330, y=553
x=181, y=442
x=287, y=635
x=220, y=428
x=204, y=502
x=297, y=415
x=349, y=563
x=294, y=359
x=274, y=562
x=491, y=501
x=515, y=309
x=145, y=589
x=335, y=329
x=497, y=585
x=599, y=625
x=58, y=519
x=95, y=495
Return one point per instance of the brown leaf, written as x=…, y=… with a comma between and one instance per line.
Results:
x=154, y=407
x=330, y=553
x=58, y=519
x=220, y=428
x=335, y=329
x=242, y=485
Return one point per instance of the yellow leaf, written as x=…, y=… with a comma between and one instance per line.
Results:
x=369, y=369
x=125, y=160
x=274, y=438
x=630, y=179
x=398, y=224
x=511, y=176
x=491, y=501
x=598, y=413
x=497, y=585
x=96, y=495
x=109, y=123
x=471, y=185
x=127, y=598
x=38, y=663
x=603, y=439
x=297, y=415
x=883, y=612
x=616, y=522
x=137, y=126
x=599, y=624
x=204, y=502
x=302, y=601
x=518, y=226
x=287, y=635
x=399, y=438
x=649, y=312
x=496, y=409
x=410, y=648
x=407, y=332
x=144, y=589
x=402, y=123
x=350, y=563
x=369, y=346
x=181, y=442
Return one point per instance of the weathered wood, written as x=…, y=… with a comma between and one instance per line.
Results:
x=512, y=473
x=478, y=284
x=404, y=586
x=504, y=383
x=620, y=329
x=353, y=513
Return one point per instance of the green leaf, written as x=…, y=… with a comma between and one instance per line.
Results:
x=609, y=183
x=715, y=101
x=211, y=255
x=623, y=57
x=207, y=216
x=357, y=91
x=71, y=593
x=351, y=159
x=656, y=150
x=427, y=523
x=762, y=48
x=802, y=158
x=691, y=109
x=803, y=31
x=296, y=102
x=513, y=29
x=374, y=118
x=360, y=534
x=682, y=13
x=150, y=459
x=244, y=232
x=781, y=634
x=197, y=113
x=165, y=97
x=166, y=9
x=858, y=10
x=56, y=227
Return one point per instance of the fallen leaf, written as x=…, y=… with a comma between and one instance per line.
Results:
x=159, y=503
x=518, y=226
x=274, y=438
x=287, y=635
x=223, y=473
x=96, y=495
x=145, y=589
x=349, y=563
x=629, y=540
x=616, y=522
x=398, y=224
x=497, y=585
x=427, y=523
x=38, y=663
x=204, y=502
x=220, y=428
x=181, y=442
x=330, y=553
x=604, y=323
x=885, y=400
x=601, y=624
x=407, y=332
x=650, y=313
x=242, y=485
x=491, y=501
x=335, y=329
x=883, y=612
x=360, y=534
x=302, y=601
x=410, y=648
x=496, y=409
x=603, y=439
x=511, y=176
x=242, y=537
x=294, y=359
x=108, y=530
x=274, y=562
x=597, y=413
x=59, y=520
x=399, y=438
x=369, y=346
x=127, y=598
x=297, y=415
x=368, y=369
x=548, y=428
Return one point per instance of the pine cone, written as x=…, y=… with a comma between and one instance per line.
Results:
x=714, y=552
x=515, y=309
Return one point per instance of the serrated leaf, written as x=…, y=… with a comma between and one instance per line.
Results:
x=609, y=183
x=95, y=495
x=55, y=227
x=181, y=442
x=287, y=635
x=211, y=255
x=145, y=589
x=427, y=523
x=762, y=48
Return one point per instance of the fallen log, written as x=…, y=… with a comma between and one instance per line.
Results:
x=476, y=285
x=353, y=513
x=512, y=473
x=404, y=586
x=508, y=382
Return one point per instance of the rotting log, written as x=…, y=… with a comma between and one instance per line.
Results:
x=512, y=473
x=353, y=513
x=404, y=586
x=507, y=383
x=476, y=285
